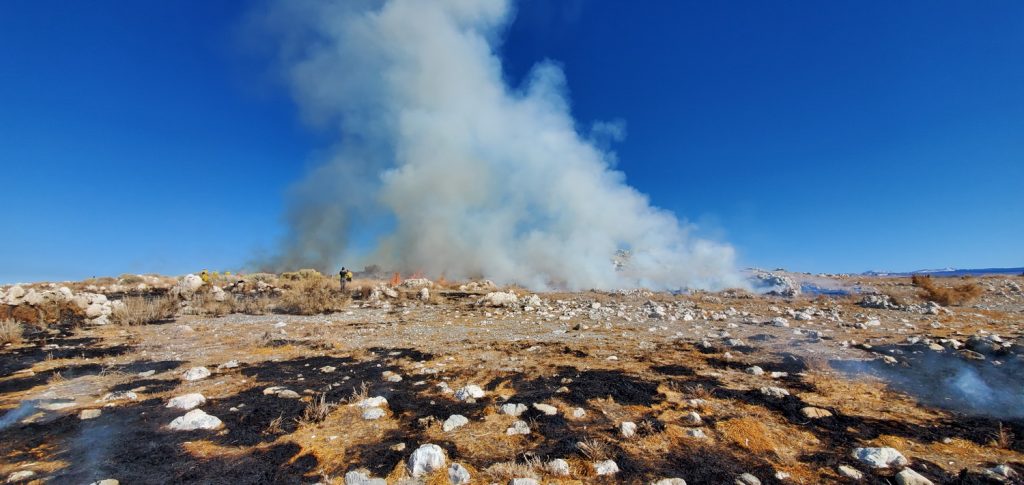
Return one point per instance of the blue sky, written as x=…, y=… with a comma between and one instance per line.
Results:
x=817, y=136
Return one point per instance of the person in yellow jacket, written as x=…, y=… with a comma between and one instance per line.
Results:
x=345, y=276
x=205, y=276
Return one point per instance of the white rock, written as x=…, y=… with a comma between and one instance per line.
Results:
x=187, y=286
x=458, y=474
x=427, y=458
x=696, y=433
x=499, y=299
x=231, y=364
x=356, y=477
x=883, y=457
x=546, y=409
x=628, y=429
x=910, y=477
x=775, y=392
x=670, y=481
x=579, y=413
x=424, y=295
x=471, y=391
x=513, y=409
x=850, y=472
x=558, y=467
x=196, y=373
x=187, y=402
x=523, y=481
x=20, y=475
x=121, y=396
x=372, y=402
x=755, y=371
x=193, y=420
x=747, y=479
x=454, y=421
x=693, y=418
x=89, y=414
x=518, y=427
x=780, y=322
x=371, y=414
x=607, y=467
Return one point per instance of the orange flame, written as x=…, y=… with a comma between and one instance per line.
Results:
x=396, y=279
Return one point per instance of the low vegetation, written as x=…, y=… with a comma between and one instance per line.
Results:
x=945, y=296
x=11, y=332
x=311, y=295
x=141, y=310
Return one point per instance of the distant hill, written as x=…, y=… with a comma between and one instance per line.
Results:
x=951, y=272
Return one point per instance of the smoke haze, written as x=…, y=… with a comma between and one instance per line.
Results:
x=478, y=178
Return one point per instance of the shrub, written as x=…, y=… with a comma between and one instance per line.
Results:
x=957, y=295
x=11, y=332
x=311, y=296
x=140, y=310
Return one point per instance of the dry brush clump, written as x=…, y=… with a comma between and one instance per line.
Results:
x=311, y=296
x=11, y=332
x=141, y=310
x=945, y=296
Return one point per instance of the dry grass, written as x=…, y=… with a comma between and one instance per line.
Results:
x=312, y=296
x=945, y=296
x=138, y=310
x=1002, y=437
x=749, y=433
x=595, y=449
x=317, y=410
x=11, y=332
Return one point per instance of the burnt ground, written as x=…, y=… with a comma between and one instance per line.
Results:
x=612, y=361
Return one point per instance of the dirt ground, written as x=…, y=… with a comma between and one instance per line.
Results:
x=885, y=376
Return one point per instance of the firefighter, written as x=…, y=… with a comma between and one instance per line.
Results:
x=345, y=276
x=205, y=275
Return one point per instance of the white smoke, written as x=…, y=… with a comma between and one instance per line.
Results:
x=481, y=179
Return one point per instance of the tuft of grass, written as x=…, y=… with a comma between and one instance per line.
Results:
x=945, y=296
x=11, y=332
x=140, y=310
x=1002, y=437
x=595, y=450
x=317, y=410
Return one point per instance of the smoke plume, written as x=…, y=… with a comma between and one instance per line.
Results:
x=459, y=173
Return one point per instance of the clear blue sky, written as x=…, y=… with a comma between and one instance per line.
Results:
x=818, y=136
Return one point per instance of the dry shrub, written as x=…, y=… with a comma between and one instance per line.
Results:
x=252, y=305
x=595, y=449
x=11, y=332
x=140, y=310
x=1002, y=437
x=955, y=296
x=311, y=296
x=317, y=410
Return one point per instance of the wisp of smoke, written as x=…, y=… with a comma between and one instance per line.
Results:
x=477, y=178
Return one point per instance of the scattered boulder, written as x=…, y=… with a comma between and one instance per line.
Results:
x=513, y=409
x=910, y=477
x=193, y=420
x=547, y=409
x=187, y=402
x=427, y=458
x=453, y=422
x=518, y=427
x=458, y=474
x=882, y=457
x=371, y=414
x=359, y=477
x=747, y=479
x=499, y=299
x=776, y=284
x=628, y=429
x=196, y=373
x=89, y=414
x=20, y=475
x=372, y=402
x=471, y=391
x=670, y=481
x=558, y=467
x=774, y=392
x=606, y=467
x=850, y=472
